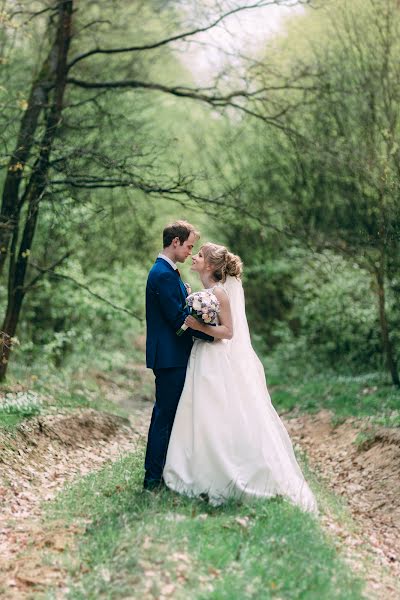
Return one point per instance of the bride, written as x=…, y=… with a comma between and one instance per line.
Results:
x=227, y=440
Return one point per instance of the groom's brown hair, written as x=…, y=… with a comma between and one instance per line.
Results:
x=179, y=229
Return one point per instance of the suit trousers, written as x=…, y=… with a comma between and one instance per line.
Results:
x=169, y=386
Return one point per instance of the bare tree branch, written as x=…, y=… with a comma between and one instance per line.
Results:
x=43, y=271
x=90, y=182
x=32, y=14
x=215, y=100
x=181, y=91
x=184, y=35
x=82, y=286
x=187, y=92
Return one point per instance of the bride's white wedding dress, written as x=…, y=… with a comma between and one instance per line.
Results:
x=227, y=440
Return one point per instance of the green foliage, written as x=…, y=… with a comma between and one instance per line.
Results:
x=322, y=192
x=65, y=318
x=15, y=407
x=311, y=206
x=335, y=316
x=111, y=235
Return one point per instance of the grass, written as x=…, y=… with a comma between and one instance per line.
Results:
x=75, y=386
x=135, y=545
x=15, y=406
x=140, y=545
x=48, y=390
x=368, y=395
x=11, y=419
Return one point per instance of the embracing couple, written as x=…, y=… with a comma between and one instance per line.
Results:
x=214, y=432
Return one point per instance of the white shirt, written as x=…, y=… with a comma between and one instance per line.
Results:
x=169, y=261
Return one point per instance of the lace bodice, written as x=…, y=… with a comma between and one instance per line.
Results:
x=217, y=285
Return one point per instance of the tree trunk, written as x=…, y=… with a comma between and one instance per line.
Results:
x=11, y=203
x=386, y=343
x=9, y=328
x=38, y=101
x=36, y=187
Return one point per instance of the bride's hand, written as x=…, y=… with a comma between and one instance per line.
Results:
x=193, y=323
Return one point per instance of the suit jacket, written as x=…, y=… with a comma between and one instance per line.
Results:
x=165, y=313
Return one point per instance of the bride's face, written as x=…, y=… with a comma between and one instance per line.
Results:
x=198, y=263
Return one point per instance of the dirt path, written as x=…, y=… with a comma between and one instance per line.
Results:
x=49, y=451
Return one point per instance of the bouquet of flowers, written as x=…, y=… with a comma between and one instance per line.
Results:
x=204, y=307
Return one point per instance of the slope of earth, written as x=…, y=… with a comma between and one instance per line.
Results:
x=37, y=459
x=361, y=464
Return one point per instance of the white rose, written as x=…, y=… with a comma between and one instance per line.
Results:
x=196, y=304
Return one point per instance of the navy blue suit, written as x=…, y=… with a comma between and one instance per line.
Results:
x=167, y=354
x=165, y=313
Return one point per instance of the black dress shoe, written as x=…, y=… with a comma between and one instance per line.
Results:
x=154, y=485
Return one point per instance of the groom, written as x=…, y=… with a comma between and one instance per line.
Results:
x=167, y=353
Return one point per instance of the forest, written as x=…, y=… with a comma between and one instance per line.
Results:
x=281, y=143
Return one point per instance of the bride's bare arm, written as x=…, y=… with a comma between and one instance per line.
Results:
x=223, y=331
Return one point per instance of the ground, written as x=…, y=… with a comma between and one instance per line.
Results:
x=361, y=465
x=42, y=455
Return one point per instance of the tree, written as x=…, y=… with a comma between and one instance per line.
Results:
x=356, y=122
x=342, y=187
x=43, y=166
x=47, y=91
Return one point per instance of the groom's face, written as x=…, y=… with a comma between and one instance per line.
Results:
x=183, y=251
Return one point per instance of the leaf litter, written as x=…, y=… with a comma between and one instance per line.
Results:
x=47, y=452
x=36, y=461
x=361, y=463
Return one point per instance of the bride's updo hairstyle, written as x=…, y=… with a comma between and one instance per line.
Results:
x=222, y=261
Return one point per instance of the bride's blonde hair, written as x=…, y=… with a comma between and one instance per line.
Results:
x=222, y=261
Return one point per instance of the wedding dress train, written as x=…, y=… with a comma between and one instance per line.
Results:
x=227, y=440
